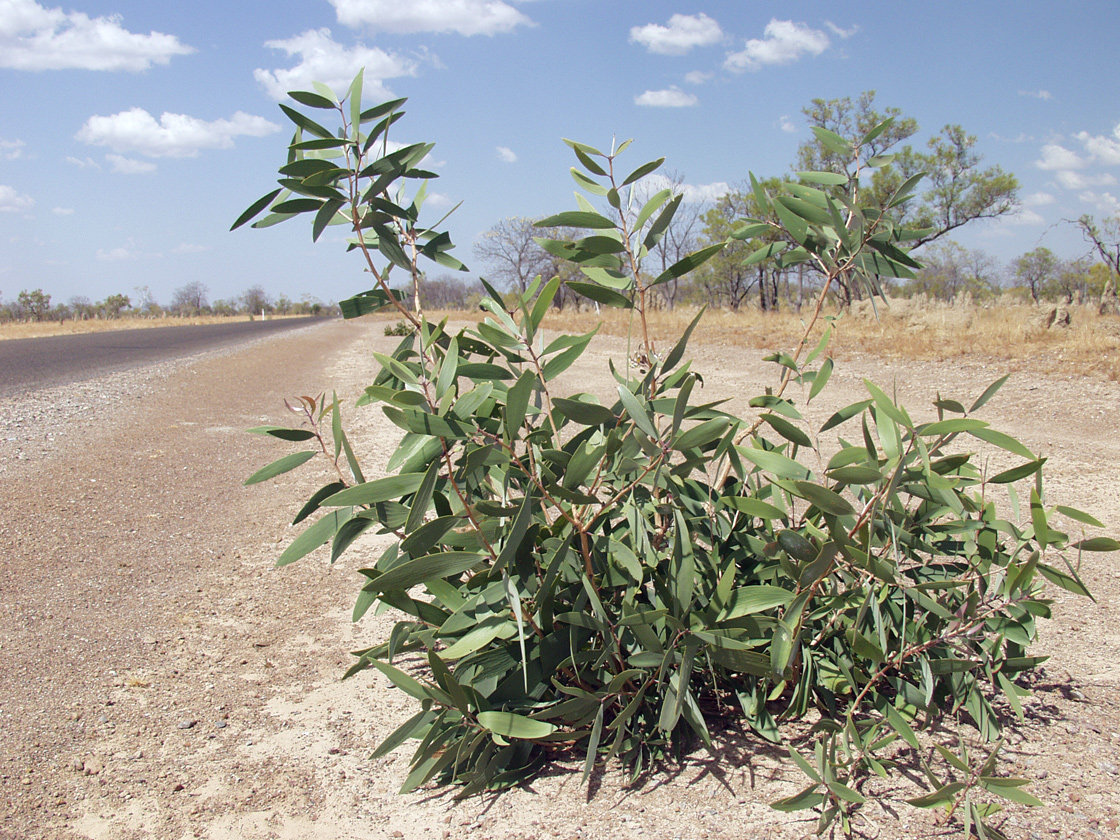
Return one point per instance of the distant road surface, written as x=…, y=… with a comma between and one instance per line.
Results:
x=28, y=364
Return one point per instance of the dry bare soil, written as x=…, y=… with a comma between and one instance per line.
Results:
x=160, y=679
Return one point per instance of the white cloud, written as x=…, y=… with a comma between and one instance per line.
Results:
x=1055, y=157
x=784, y=41
x=115, y=255
x=1038, y=199
x=787, y=125
x=174, y=135
x=697, y=77
x=129, y=166
x=671, y=98
x=189, y=248
x=35, y=38
x=83, y=163
x=1073, y=180
x=322, y=59
x=1023, y=218
x=682, y=34
x=1044, y=95
x=841, y=33
x=1102, y=150
x=467, y=17
x=693, y=193
x=63, y=211
x=506, y=155
x=1105, y=203
x=12, y=201
x=11, y=149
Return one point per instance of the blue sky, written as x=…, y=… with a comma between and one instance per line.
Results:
x=133, y=133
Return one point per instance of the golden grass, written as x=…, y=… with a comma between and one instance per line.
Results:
x=41, y=329
x=1005, y=333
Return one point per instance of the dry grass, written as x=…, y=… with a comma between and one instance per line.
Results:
x=41, y=329
x=1007, y=333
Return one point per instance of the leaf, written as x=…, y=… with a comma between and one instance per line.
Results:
x=642, y=171
x=313, y=537
x=833, y=142
x=1079, y=516
x=1010, y=789
x=584, y=413
x=637, y=412
x=787, y=430
x=1067, y=582
x=821, y=379
x=255, y=208
x=379, y=490
x=312, y=100
x=827, y=500
x=807, y=798
x=747, y=600
x=510, y=725
x=832, y=179
x=1098, y=544
x=989, y=392
x=845, y=414
x=1017, y=473
x=284, y=433
x=688, y=263
x=601, y=294
x=753, y=507
x=280, y=466
x=577, y=219
x=414, y=572
x=1002, y=441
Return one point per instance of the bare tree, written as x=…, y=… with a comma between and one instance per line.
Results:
x=190, y=299
x=511, y=255
x=1105, y=239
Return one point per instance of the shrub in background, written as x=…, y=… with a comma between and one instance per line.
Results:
x=612, y=576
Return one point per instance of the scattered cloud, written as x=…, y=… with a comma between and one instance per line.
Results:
x=35, y=38
x=188, y=248
x=63, y=211
x=83, y=163
x=1104, y=203
x=12, y=201
x=784, y=41
x=671, y=98
x=322, y=59
x=174, y=135
x=1073, y=180
x=841, y=33
x=682, y=34
x=115, y=255
x=129, y=166
x=506, y=155
x=1044, y=95
x=787, y=125
x=1083, y=171
x=466, y=17
x=1055, y=157
x=1101, y=150
x=693, y=193
x=11, y=149
x=1023, y=217
x=697, y=77
x=1038, y=199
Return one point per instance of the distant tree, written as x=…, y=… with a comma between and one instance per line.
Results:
x=283, y=305
x=510, y=254
x=1105, y=239
x=223, y=307
x=255, y=300
x=190, y=299
x=35, y=305
x=114, y=305
x=948, y=270
x=146, y=303
x=955, y=191
x=83, y=308
x=681, y=237
x=449, y=292
x=1035, y=269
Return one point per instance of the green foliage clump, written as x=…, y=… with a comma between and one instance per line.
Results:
x=398, y=329
x=611, y=575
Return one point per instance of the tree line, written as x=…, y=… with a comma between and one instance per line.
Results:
x=188, y=301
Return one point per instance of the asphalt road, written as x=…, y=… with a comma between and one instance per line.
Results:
x=28, y=364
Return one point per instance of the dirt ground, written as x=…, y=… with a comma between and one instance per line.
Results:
x=160, y=679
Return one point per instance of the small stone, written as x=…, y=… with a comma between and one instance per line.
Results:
x=220, y=724
x=1077, y=695
x=1042, y=774
x=187, y=724
x=1074, y=796
x=102, y=718
x=1108, y=767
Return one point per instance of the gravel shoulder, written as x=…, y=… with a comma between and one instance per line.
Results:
x=160, y=679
